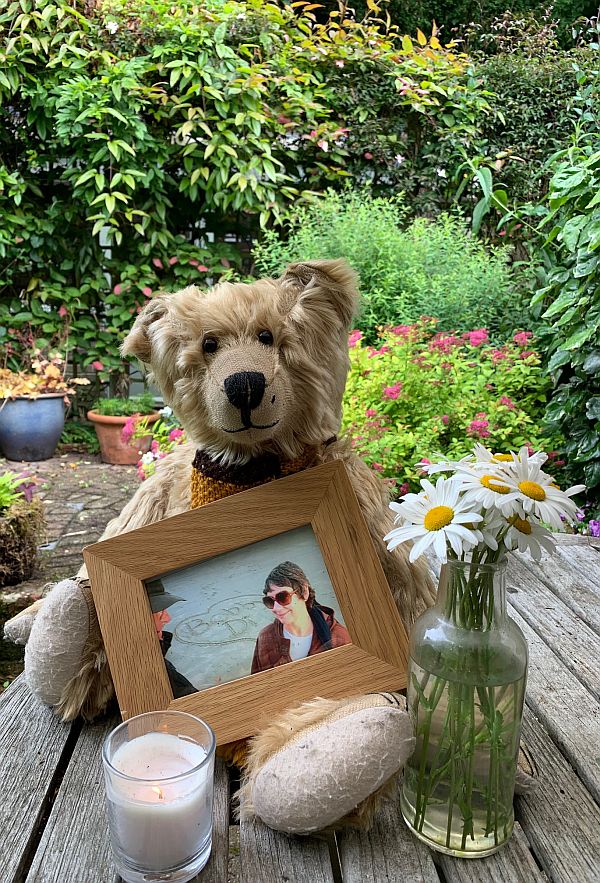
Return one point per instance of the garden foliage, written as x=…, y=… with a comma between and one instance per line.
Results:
x=406, y=269
x=421, y=392
x=130, y=129
x=572, y=291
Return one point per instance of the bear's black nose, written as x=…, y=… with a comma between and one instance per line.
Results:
x=245, y=390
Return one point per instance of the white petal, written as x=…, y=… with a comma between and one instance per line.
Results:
x=420, y=546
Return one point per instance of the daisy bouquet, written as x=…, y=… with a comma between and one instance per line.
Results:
x=468, y=659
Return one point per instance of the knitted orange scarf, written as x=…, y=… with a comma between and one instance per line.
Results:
x=211, y=481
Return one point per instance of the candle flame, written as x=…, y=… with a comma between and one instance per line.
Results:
x=158, y=792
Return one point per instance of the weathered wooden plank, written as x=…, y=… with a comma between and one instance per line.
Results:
x=33, y=743
x=572, y=578
x=75, y=843
x=560, y=819
x=270, y=857
x=566, y=708
x=570, y=639
x=388, y=853
x=514, y=863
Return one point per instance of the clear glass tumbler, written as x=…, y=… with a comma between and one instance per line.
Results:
x=159, y=771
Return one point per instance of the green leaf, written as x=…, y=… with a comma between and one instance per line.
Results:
x=592, y=409
x=592, y=362
x=479, y=212
x=484, y=176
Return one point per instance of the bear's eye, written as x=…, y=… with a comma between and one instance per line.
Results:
x=210, y=345
x=266, y=337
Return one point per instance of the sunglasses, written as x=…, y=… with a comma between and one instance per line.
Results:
x=283, y=598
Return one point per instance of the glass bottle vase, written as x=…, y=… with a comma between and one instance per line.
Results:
x=466, y=686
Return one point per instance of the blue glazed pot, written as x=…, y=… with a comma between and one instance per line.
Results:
x=30, y=428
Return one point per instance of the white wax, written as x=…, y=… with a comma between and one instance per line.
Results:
x=159, y=825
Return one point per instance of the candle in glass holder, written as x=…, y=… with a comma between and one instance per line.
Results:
x=159, y=785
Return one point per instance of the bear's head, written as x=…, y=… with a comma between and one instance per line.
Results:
x=253, y=368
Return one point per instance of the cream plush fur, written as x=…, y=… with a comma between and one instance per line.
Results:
x=308, y=312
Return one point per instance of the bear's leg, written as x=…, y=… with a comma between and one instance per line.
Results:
x=65, y=662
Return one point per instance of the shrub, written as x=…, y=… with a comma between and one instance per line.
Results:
x=432, y=268
x=117, y=407
x=423, y=392
x=572, y=291
x=131, y=132
x=532, y=99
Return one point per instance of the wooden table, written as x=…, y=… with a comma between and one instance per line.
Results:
x=52, y=794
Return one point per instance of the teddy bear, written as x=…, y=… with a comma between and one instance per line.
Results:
x=256, y=373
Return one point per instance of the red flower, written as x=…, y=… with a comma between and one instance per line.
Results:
x=62, y=311
x=98, y=365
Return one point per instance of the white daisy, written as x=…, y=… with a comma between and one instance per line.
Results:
x=484, y=455
x=534, y=492
x=434, y=517
x=482, y=487
x=488, y=531
x=528, y=536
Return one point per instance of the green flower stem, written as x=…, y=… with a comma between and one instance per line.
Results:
x=472, y=721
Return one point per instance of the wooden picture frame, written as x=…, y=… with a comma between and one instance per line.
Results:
x=321, y=497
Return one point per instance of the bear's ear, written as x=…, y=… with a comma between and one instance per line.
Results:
x=312, y=284
x=139, y=342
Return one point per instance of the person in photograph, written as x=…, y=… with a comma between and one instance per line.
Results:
x=301, y=626
x=160, y=600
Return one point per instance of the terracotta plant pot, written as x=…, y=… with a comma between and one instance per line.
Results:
x=112, y=447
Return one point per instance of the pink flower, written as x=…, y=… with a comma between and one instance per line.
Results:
x=147, y=291
x=476, y=338
x=158, y=263
x=353, y=338
x=479, y=428
x=154, y=446
x=507, y=402
x=377, y=467
x=498, y=356
x=323, y=144
x=62, y=311
x=371, y=412
x=522, y=337
x=128, y=430
x=392, y=392
x=444, y=342
x=175, y=434
x=368, y=155
x=445, y=419
x=202, y=268
x=117, y=289
x=283, y=120
x=194, y=263
x=526, y=353
x=402, y=330
x=98, y=365
x=379, y=352
x=404, y=488
x=339, y=63
x=173, y=261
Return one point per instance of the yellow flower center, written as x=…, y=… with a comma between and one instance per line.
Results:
x=532, y=489
x=502, y=458
x=521, y=524
x=493, y=483
x=438, y=517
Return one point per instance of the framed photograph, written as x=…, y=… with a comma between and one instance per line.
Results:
x=242, y=608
